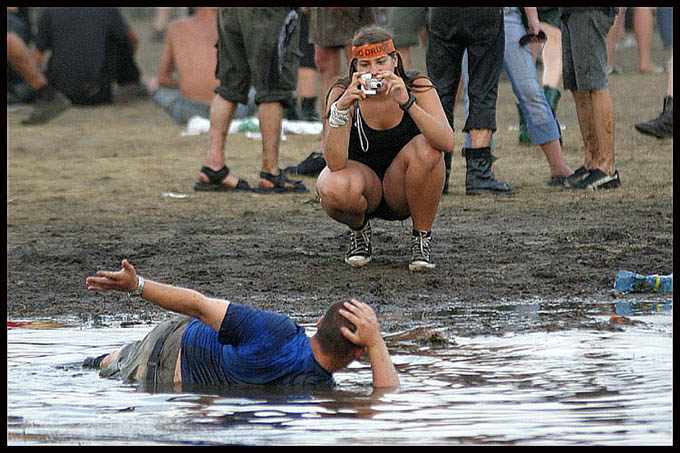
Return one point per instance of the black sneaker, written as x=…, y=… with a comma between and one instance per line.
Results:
x=599, y=180
x=421, y=250
x=359, y=250
x=311, y=166
x=44, y=110
x=579, y=175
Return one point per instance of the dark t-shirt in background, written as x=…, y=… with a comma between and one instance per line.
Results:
x=80, y=41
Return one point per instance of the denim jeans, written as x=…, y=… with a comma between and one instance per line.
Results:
x=664, y=20
x=519, y=65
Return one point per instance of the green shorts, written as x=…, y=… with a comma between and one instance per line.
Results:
x=245, y=50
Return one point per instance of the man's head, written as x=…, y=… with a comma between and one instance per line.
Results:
x=329, y=335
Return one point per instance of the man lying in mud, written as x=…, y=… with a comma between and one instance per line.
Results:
x=217, y=342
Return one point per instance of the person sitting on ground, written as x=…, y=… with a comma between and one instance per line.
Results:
x=90, y=49
x=383, y=150
x=49, y=102
x=217, y=342
x=186, y=74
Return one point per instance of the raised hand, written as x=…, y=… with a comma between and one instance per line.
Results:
x=122, y=280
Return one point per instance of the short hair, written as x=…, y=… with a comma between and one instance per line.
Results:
x=331, y=339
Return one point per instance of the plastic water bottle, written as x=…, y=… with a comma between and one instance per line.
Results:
x=631, y=282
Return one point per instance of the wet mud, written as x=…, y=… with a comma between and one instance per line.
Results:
x=97, y=185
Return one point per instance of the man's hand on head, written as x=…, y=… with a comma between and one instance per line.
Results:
x=363, y=317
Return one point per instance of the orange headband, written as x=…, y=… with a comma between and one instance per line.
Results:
x=373, y=50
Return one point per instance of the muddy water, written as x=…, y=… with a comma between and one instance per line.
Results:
x=573, y=387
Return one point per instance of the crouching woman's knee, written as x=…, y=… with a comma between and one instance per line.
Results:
x=426, y=154
x=336, y=191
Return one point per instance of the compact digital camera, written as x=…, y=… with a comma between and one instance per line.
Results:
x=371, y=85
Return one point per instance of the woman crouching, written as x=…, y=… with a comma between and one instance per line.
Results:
x=383, y=144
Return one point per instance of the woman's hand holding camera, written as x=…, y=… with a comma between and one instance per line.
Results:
x=352, y=93
x=394, y=86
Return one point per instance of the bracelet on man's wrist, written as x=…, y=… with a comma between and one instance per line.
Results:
x=140, y=287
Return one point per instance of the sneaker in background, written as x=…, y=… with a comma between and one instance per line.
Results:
x=311, y=166
x=597, y=179
x=579, y=175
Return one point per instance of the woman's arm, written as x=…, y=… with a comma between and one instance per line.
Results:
x=427, y=112
x=181, y=300
x=335, y=143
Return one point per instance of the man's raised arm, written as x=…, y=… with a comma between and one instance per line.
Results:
x=181, y=300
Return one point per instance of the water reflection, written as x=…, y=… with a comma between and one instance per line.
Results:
x=576, y=386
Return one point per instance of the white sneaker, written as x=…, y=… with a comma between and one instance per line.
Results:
x=359, y=250
x=421, y=248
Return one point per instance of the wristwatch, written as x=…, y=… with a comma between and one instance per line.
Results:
x=407, y=105
x=140, y=287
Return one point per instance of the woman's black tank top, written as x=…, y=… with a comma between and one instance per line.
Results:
x=383, y=146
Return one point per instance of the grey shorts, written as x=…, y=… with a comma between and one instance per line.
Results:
x=245, y=48
x=584, y=50
x=132, y=364
x=405, y=24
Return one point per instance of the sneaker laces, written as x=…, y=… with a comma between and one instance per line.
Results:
x=360, y=241
x=421, y=246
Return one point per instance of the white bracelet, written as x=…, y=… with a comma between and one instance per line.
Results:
x=140, y=287
x=338, y=118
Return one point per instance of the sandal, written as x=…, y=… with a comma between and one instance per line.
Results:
x=216, y=178
x=281, y=184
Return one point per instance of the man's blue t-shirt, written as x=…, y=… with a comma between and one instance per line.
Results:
x=252, y=347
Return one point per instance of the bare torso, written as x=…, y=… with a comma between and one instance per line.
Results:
x=194, y=56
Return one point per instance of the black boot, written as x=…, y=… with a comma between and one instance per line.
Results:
x=479, y=179
x=662, y=126
x=447, y=163
x=308, y=109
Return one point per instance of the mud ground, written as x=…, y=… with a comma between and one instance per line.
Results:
x=95, y=186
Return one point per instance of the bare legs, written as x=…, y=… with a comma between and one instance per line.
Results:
x=595, y=112
x=221, y=114
x=412, y=185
